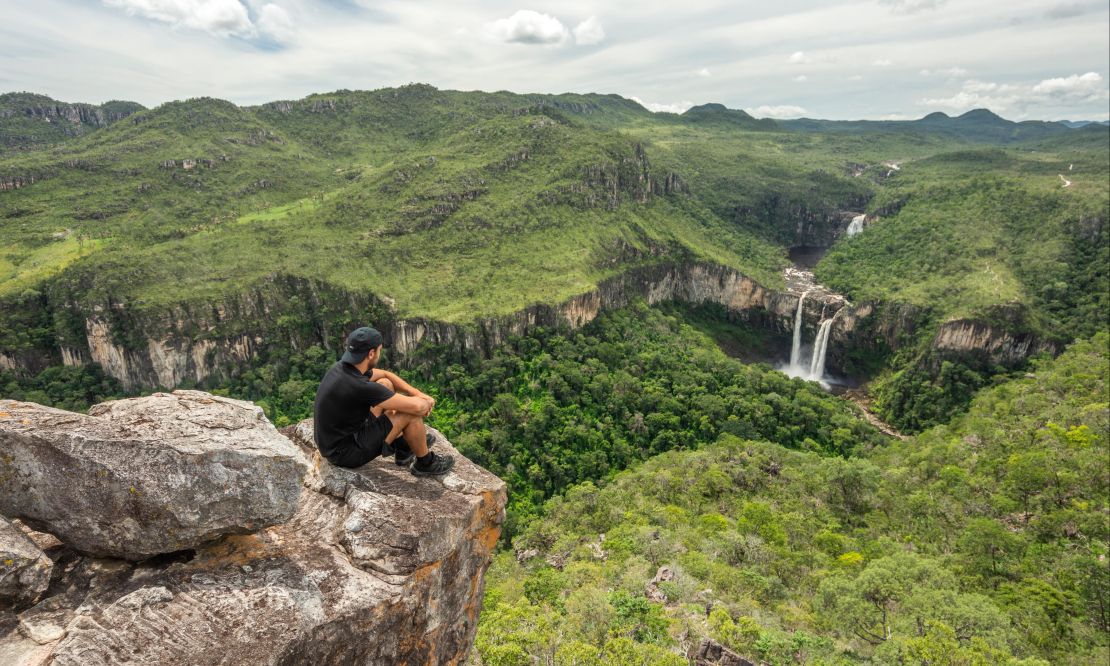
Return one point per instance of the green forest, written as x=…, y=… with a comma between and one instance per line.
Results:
x=518, y=200
x=983, y=541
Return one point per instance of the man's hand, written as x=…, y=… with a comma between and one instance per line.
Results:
x=429, y=403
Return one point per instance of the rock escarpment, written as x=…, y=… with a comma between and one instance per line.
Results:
x=997, y=344
x=28, y=120
x=209, y=342
x=376, y=566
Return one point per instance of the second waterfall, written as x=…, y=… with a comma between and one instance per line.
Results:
x=814, y=370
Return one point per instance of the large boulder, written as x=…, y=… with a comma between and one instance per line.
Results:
x=377, y=566
x=24, y=568
x=144, y=476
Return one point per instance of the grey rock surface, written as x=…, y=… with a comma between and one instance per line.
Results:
x=24, y=568
x=144, y=476
x=376, y=566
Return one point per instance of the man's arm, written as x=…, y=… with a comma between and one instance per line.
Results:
x=419, y=405
x=399, y=385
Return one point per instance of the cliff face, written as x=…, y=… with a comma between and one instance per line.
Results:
x=27, y=120
x=214, y=341
x=692, y=283
x=376, y=566
x=998, y=345
x=190, y=342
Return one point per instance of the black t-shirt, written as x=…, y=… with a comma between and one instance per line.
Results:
x=343, y=401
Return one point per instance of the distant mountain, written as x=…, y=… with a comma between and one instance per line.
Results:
x=719, y=113
x=31, y=121
x=977, y=126
x=1076, y=124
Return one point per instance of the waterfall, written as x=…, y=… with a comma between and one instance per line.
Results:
x=817, y=363
x=814, y=370
x=796, y=349
x=856, y=226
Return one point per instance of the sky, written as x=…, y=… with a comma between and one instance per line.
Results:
x=867, y=59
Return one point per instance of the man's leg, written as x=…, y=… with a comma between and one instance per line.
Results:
x=411, y=428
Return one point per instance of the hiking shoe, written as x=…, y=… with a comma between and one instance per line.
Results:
x=440, y=465
x=403, y=454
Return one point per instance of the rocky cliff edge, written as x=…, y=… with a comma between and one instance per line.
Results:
x=375, y=566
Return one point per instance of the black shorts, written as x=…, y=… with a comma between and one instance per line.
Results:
x=366, y=443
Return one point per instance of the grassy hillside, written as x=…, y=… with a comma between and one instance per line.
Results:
x=979, y=228
x=455, y=205
x=984, y=541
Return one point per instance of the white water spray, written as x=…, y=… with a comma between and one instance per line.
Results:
x=856, y=225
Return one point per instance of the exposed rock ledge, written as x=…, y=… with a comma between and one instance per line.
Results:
x=375, y=567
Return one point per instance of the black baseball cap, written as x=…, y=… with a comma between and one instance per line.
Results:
x=360, y=342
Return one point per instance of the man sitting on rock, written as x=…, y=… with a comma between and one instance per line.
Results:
x=360, y=412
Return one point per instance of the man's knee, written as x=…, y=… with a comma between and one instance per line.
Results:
x=402, y=420
x=386, y=383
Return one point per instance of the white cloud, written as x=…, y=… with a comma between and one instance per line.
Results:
x=1065, y=11
x=882, y=62
x=782, y=111
x=801, y=78
x=1085, y=87
x=911, y=6
x=219, y=17
x=589, y=32
x=855, y=77
x=798, y=58
x=275, y=23
x=952, y=72
x=1003, y=97
x=224, y=18
x=369, y=44
x=676, y=107
x=704, y=71
x=529, y=27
